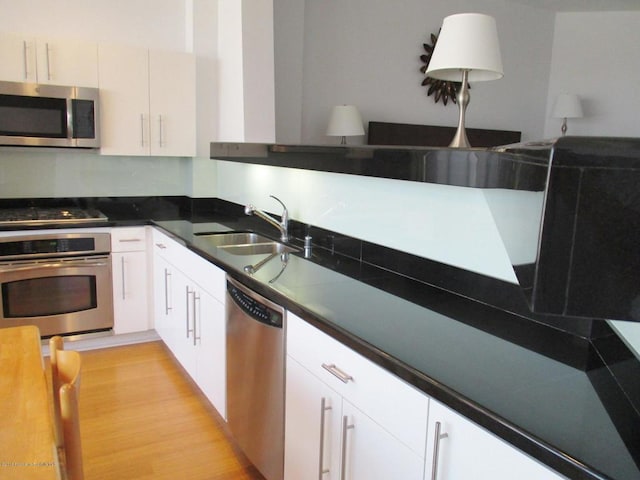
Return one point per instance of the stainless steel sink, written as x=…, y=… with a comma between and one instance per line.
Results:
x=244, y=243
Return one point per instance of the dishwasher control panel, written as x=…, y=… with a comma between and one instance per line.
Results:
x=254, y=308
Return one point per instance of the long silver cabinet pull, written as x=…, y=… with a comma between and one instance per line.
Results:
x=196, y=303
x=336, y=372
x=25, y=55
x=142, y=130
x=187, y=315
x=436, y=450
x=122, y=263
x=167, y=307
x=343, y=459
x=323, y=410
x=130, y=240
x=161, y=132
x=48, y=61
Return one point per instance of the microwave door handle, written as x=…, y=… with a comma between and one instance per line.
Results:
x=70, y=135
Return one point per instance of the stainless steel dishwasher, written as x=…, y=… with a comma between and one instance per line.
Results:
x=255, y=377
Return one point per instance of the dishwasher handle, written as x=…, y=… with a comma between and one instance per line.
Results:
x=258, y=308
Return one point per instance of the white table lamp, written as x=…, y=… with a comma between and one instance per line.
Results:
x=467, y=50
x=567, y=106
x=345, y=121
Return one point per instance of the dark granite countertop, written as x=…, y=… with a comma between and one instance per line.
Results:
x=569, y=418
x=548, y=409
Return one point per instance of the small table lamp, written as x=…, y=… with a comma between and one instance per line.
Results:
x=467, y=50
x=567, y=106
x=345, y=121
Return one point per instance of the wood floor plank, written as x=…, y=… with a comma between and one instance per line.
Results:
x=142, y=418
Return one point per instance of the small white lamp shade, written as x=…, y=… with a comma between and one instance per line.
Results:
x=345, y=121
x=467, y=41
x=567, y=106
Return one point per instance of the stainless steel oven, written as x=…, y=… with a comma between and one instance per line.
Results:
x=60, y=282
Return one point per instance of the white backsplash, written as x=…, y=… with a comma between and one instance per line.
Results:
x=52, y=173
x=448, y=224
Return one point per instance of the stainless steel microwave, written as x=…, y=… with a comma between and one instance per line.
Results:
x=37, y=115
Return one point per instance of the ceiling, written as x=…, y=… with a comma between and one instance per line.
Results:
x=583, y=5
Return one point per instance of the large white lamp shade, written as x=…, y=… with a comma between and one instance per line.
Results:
x=467, y=50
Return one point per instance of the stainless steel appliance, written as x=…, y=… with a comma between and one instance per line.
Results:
x=37, y=115
x=35, y=216
x=255, y=377
x=60, y=282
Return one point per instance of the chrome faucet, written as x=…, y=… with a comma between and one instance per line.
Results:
x=282, y=226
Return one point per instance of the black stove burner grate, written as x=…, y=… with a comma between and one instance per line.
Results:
x=32, y=215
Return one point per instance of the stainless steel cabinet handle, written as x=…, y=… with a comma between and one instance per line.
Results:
x=196, y=304
x=323, y=410
x=336, y=372
x=123, y=276
x=25, y=55
x=343, y=459
x=161, y=246
x=142, y=129
x=128, y=240
x=167, y=274
x=436, y=450
x=48, y=61
x=188, y=309
x=161, y=132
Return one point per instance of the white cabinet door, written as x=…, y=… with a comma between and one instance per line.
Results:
x=342, y=413
x=18, y=58
x=130, y=283
x=147, y=102
x=67, y=62
x=190, y=315
x=124, y=100
x=372, y=453
x=162, y=297
x=466, y=450
x=24, y=58
x=172, y=115
x=130, y=292
x=211, y=345
x=312, y=426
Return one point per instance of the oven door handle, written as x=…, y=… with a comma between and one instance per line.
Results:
x=103, y=262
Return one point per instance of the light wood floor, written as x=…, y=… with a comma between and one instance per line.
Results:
x=142, y=418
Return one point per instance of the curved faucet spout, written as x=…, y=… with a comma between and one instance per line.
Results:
x=282, y=225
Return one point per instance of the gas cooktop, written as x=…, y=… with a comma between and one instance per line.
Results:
x=33, y=216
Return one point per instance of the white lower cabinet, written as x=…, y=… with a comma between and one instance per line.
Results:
x=348, y=419
x=129, y=270
x=458, y=449
x=189, y=315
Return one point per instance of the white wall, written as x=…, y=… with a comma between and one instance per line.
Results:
x=367, y=53
x=596, y=56
x=157, y=23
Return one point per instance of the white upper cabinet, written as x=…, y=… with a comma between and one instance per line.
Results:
x=147, y=101
x=26, y=58
x=172, y=109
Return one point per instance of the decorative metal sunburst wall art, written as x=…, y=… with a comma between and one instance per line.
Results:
x=441, y=89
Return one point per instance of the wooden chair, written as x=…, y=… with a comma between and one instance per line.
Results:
x=65, y=378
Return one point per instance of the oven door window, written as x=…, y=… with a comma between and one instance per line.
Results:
x=46, y=296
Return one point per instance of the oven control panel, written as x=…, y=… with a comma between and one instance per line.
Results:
x=54, y=245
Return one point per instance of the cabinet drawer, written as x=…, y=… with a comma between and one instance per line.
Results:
x=395, y=405
x=128, y=239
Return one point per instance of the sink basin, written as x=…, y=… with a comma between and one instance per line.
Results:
x=244, y=243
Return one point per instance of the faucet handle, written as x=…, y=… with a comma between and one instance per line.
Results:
x=285, y=212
